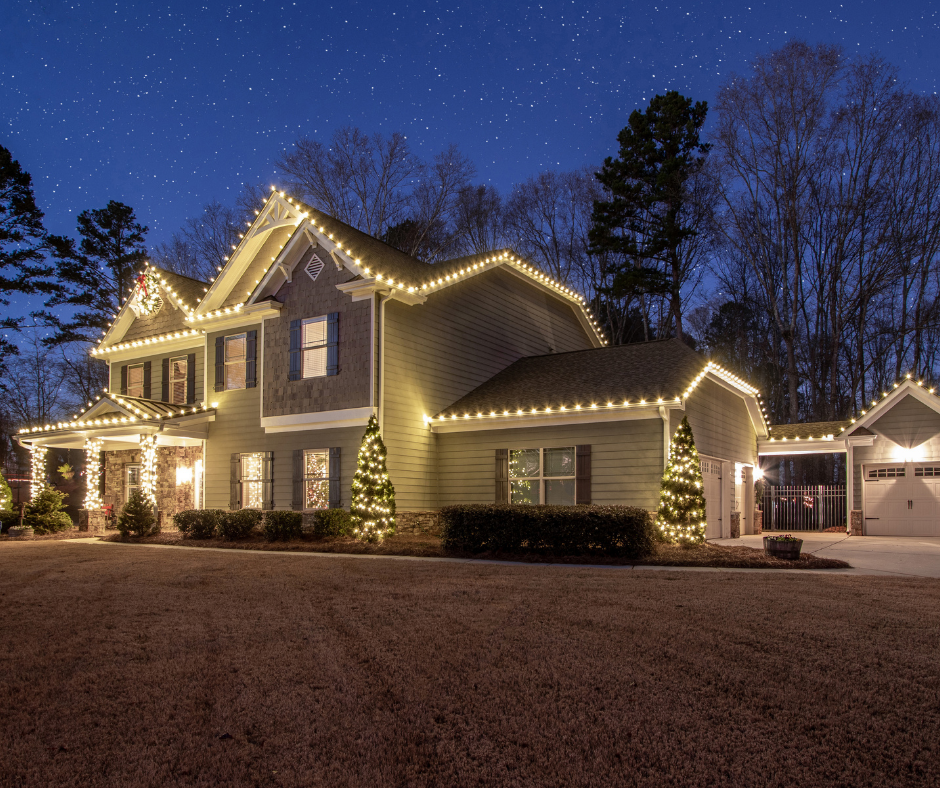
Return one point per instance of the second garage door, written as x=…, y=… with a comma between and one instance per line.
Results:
x=902, y=500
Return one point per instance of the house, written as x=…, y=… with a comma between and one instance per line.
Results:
x=892, y=453
x=490, y=382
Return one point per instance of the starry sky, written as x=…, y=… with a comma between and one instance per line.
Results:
x=167, y=106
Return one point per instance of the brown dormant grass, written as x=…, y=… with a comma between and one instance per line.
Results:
x=132, y=666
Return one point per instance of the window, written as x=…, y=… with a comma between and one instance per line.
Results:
x=886, y=473
x=542, y=476
x=235, y=358
x=927, y=471
x=316, y=479
x=135, y=380
x=131, y=480
x=252, y=480
x=313, y=347
x=177, y=387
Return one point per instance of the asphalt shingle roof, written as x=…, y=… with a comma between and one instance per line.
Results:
x=643, y=371
x=814, y=429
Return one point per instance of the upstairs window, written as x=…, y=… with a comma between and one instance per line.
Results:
x=235, y=361
x=135, y=380
x=178, y=379
x=236, y=364
x=313, y=347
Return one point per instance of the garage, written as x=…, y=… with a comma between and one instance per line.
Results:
x=902, y=499
x=711, y=478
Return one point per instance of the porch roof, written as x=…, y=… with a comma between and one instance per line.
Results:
x=816, y=437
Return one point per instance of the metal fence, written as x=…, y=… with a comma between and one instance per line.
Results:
x=804, y=507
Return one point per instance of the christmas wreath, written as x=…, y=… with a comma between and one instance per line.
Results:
x=146, y=293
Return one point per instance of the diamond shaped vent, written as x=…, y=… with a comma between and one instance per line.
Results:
x=314, y=267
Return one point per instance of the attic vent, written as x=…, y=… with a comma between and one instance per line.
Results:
x=314, y=267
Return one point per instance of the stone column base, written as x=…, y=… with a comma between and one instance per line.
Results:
x=735, y=525
x=91, y=520
x=758, y=521
x=418, y=522
x=855, y=522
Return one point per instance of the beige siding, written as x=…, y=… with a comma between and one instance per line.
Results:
x=156, y=370
x=720, y=424
x=626, y=459
x=258, y=266
x=437, y=352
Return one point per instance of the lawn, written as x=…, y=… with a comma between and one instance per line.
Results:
x=141, y=666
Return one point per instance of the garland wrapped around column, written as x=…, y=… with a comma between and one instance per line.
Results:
x=148, y=467
x=92, y=472
x=37, y=456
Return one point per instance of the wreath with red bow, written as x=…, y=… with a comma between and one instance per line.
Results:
x=146, y=292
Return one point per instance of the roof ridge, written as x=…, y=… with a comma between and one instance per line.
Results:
x=614, y=347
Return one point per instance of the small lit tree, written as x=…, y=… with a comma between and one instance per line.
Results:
x=681, y=515
x=373, y=496
x=6, y=497
x=137, y=518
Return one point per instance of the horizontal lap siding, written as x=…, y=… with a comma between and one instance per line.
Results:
x=626, y=460
x=721, y=425
x=439, y=351
x=909, y=423
x=156, y=371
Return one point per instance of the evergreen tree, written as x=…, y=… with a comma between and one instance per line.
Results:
x=651, y=212
x=46, y=512
x=681, y=516
x=137, y=517
x=373, y=496
x=6, y=497
x=95, y=277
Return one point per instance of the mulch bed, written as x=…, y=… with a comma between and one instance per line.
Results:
x=429, y=546
x=152, y=667
x=71, y=533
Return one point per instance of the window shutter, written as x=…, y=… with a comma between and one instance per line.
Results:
x=582, y=484
x=502, y=476
x=147, y=379
x=219, y=363
x=332, y=343
x=336, y=492
x=267, y=485
x=165, y=382
x=297, y=501
x=124, y=380
x=294, y=373
x=235, y=498
x=190, y=378
x=251, y=354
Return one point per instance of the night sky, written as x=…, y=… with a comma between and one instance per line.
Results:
x=166, y=106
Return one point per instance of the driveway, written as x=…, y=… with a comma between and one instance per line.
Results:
x=890, y=555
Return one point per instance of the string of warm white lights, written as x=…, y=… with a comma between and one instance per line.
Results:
x=148, y=467
x=146, y=341
x=92, y=472
x=37, y=461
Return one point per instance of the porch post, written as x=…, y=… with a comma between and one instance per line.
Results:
x=92, y=472
x=37, y=456
x=849, y=486
x=148, y=467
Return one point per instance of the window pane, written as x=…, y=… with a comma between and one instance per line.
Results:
x=315, y=363
x=235, y=376
x=559, y=462
x=135, y=381
x=235, y=348
x=314, y=332
x=178, y=393
x=559, y=492
x=178, y=369
x=253, y=465
x=133, y=476
x=252, y=495
x=317, y=494
x=523, y=463
x=316, y=464
x=524, y=491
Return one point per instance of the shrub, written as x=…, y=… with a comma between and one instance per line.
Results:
x=137, y=517
x=624, y=531
x=46, y=513
x=8, y=518
x=332, y=522
x=198, y=523
x=238, y=524
x=282, y=525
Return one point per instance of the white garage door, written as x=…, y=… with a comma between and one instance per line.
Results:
x=902, y=500
x=711, y=477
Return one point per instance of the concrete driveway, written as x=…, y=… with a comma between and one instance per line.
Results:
x=909, y=556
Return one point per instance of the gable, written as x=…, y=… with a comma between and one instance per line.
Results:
x=256, y=269
x=908, y=423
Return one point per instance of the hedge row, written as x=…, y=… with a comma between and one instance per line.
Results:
x=207, y=523
x=8, y=518
x=624, y=531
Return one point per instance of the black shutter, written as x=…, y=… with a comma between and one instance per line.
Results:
x=219, y=363
x=502, y=476
x=297, y=501
x=582, y=485
x=191, y=378
x=124, y=380
x=235, y=497
x=251, y=355
x=294, y=373
x=336, y=492
x=267, y=484
x=332, y=343
x=147, y=380
x=165, y=383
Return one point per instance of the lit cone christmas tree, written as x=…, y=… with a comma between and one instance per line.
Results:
x=373, y=496
x=681, y=515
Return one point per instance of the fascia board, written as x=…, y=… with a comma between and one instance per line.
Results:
x=190, y=342
x=498, y=422
x=894, y=396
x=767, y=448
x=117, y=330
x=249, y=315
x=322, y=420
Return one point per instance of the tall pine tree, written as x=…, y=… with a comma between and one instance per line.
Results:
x=373, y=496
x=681, y=515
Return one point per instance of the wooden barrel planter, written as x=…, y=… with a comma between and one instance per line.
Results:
x=788, y=549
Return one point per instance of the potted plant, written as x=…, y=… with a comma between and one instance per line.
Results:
x=786, y=546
